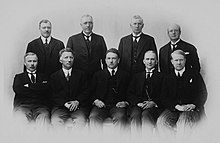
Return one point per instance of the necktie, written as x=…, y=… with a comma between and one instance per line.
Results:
x=32, y=78
x=173, y=47
x=68, y=76
x=46, y=42
x=113, y=72
x=178, y=74
x=135, y=38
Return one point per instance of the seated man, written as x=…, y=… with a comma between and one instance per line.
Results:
x=109, y=93
x=183, y=95
x=144, y=92
x=69, y=93
x=30, y=87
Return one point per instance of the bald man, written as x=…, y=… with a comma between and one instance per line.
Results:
x=192, y=62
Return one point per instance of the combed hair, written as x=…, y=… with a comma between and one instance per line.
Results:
x=30, y=54
x=151, y=51
x=113, y=50
x=137, y=17
x=44, y=21
x=179, y=52
x=66, y=50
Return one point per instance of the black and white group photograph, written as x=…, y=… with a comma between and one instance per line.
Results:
x=143, y=71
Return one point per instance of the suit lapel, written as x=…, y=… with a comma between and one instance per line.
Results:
x=51, y=45
x=41, y=46
x=82, y=42
x=62, y=78
x=26, y=78
x=93, y=42
x=141, y=44
x=128, y=45
x=142, y=80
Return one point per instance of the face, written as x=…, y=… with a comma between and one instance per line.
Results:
x=45, y=29
x=178, y=61
x=87, y=24
x=112, y=60
x=136, y=25
x=150, y=60
x=67, y=60
x=174, y=32
x=31, y=62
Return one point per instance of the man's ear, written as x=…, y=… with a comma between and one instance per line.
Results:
x=60, y=60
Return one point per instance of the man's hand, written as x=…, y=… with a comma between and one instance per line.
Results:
x=122, y=104
x=148, y=104
x=72, y=105
x=99, y=103
x=26, y=85
x=189, y=107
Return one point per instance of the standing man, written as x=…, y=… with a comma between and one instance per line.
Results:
x=132, y=47
x=183, y=95
x=31, y=93
x=69, y=93
x=192, y=59
x=109, y=93
x=89, y=48
x=47, y=49
x=144, y=94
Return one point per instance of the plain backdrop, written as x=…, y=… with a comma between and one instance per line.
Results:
x=198, y=19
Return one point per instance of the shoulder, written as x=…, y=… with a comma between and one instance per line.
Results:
x=126, y=37
x=56, y=40
x=147, y=36
x=123, y=72
x=165, y=47
x=189, y=45
x=75, y=35
x=34, y=41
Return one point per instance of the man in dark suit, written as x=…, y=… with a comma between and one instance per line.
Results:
x=47, y=49
x=69, y=93
x=192, y=59
x=30, y=87
x=144, y=94
x=132, y=47
x=109, y=93
x=89, y=48
x=183, y=95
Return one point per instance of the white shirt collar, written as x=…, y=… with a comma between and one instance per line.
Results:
x=44, y=39
x=110, y=70
x=28, y=71
x=151, y=71
x=67, y=71
x=181, y=71
x=134, y=35
x=174, y=43
x=85, y=36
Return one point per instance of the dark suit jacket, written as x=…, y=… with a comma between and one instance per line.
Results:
x=64, y=91
x=145, y=43
x=36, y=93
x=192, y=59
x=90, y=63
x=47, y=64
x=194, y=90
x=136, y=88
x=100, y=85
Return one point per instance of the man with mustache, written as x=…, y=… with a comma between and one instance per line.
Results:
x=31, y=93
x=47, y=49
x=109, y=93
x=89, y=48
x=133, y=46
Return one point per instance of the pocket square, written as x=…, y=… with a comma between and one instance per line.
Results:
x=191, y=80
x=44, y=81
x=186, y=53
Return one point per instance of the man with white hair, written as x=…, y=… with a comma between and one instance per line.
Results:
x=192, y=62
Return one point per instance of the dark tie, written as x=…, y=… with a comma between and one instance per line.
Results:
x=33, y=78
x=113, y=72
x=135, y=38
x=173, y=47
x=68, y=76
x=178, y=75
x=46, y=41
